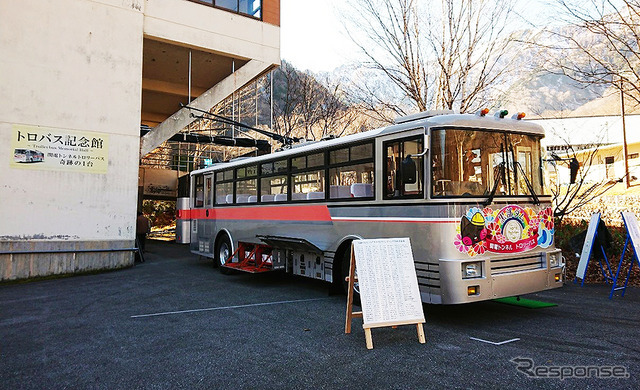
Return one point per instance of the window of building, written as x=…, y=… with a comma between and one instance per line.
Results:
x=251, y=8
x=609, y=160
x=633, y=155
x=183, y=163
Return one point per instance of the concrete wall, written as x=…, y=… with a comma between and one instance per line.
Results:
x=210, y=29
x=75, y=67
x=69, y=65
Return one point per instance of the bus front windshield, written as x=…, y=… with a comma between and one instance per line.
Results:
x=467, y=163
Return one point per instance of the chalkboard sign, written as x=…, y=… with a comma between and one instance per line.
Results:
x=388, y=283
x=588, y=246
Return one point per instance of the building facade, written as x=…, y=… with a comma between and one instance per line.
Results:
x=77, y=79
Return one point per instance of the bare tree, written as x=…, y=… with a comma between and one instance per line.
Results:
x=286, y=102
x=334, y=116
x=441, y=55
x=308, y=108
x=588, y=186
x=601, y=44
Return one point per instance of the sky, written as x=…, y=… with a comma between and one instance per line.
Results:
x=312, y=35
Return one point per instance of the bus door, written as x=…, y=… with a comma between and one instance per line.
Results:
x=404, y=167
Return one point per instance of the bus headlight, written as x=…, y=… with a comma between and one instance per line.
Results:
x=472, y=270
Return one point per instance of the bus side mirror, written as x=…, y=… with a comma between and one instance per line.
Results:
x=409, y=172
x=574, y=165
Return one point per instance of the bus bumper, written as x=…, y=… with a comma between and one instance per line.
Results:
x=455, y=289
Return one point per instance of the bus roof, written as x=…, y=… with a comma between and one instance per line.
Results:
x=458, y=121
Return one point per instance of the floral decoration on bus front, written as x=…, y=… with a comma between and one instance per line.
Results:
x=511, y=229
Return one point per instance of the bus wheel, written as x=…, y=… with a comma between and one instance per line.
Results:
x=345, y=264
x=223, y=251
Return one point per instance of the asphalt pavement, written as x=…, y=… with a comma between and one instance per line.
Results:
x=175, y=322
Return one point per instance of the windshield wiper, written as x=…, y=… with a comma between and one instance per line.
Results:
x=501, y=176
x=534, y=196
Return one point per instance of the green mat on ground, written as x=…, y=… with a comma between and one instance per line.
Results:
x=528, y=303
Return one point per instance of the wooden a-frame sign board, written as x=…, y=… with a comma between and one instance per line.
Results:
x=388, y=286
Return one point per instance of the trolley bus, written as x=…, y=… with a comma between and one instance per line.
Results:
x=467, y=189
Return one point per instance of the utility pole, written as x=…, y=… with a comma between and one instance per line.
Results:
x=624, y=135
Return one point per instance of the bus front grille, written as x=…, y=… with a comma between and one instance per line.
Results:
x=503, y=266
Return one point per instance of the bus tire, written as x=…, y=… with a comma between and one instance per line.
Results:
x=222, y=253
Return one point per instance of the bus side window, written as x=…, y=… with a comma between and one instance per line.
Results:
x=208, y=191
x=224, y=187
x=351, y=172
x=404, y=176
x=391, y=176
x=273, y=189
x=199, y=191
x=351, y=181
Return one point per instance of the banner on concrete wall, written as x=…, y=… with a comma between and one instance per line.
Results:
x=50, y=149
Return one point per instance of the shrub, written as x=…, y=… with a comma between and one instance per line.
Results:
x=569, y=229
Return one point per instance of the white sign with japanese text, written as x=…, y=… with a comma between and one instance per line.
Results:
x=388, y=283
x=50, y=149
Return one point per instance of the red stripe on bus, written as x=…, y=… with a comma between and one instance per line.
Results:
x=391, y=221
x=273, y=213
x=183, y=214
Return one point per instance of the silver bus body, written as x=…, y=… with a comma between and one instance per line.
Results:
x=311, y=236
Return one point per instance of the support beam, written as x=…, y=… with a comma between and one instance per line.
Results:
x=210, y=98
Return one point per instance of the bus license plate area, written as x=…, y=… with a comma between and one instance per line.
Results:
x=518, y=283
